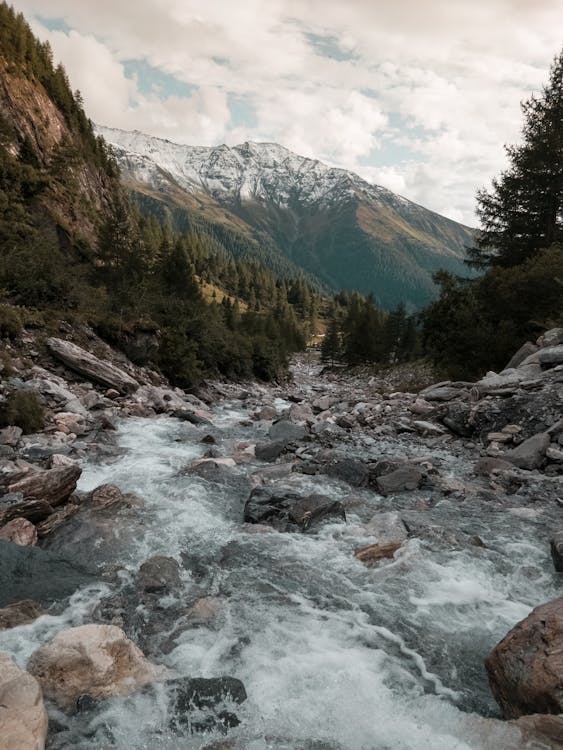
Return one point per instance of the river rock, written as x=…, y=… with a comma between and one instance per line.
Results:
x=428, y=429
x=19, y=531
x=299, y=413
x=349, y=470
x=90, y=366
x=556, y=545
x=205, y=704
x=19, y=613
x=530, y=453
x=23, y=718
x=287, y=511
x=525, y=669
x=525, y=351
x=441, y=392
x=95, y=660
x=54, y=486
x=551, y=356
x=270, y=451
x=34, y=511
x=375, y=552
x=33, y=573
x=287, y=431
x=491, y=465
x=266, y=414
x=553, y=337
x=406, y=478
x=387, y=527
x=158, y=575
x=10, y=435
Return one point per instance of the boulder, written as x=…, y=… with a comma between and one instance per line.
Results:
x=525, y=669
x=441, y=392
x=530, y=453
x=23, y=718
x=205, y=704
x=266, y=413
x=287, y=511
x=158, y=575
x=551, y=356
x=299, y=413
x=19, y=531
x=525, y=351
x=34, y=511
x=387, y=527
x=286, y=430
x=19, y=613
x=270, y=451
x=10, y=435
x=91, y=367
x=108, y=495
x=54, y=486
x=349, y=470
x=95, y=660
x=490, y=465
x=553, y=337
x=33, y=573
x=406, y=478
x=556, y=545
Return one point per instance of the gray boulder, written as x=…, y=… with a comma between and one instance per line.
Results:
x=529, y=454
x=406, y=478
x=557, y=551
x=551, y=356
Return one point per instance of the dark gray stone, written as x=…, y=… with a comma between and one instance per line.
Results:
x=158, y=575
x=349, y=470
x=406, y=478
x=288, y=431
x=529, y=454
x=557, y=551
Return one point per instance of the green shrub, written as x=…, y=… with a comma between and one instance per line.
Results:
x=10, y=322
x=23, y=409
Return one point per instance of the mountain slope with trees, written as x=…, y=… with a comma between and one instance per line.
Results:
x=477, y=324
x=73, y=247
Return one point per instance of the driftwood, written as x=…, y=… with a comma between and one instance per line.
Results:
x=54, y=486
x=90, y=366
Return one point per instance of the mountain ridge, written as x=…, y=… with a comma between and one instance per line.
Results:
x=329, y=221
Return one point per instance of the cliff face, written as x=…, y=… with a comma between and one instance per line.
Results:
x=75, y=191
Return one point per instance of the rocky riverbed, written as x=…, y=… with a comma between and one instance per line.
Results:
x=321, y=564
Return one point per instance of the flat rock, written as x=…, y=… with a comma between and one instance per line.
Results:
x=375, y=552
x=530, y=453
x=287, y=511
x=23, y=718
x=95, y=660
x=518, y=357
x=526, y=667
x=441, y=392
x=33, y=573
x=387, y=527
x=349, y=470
x=406, y=478
x=551, y=356
x=90, y=366
x=286, y=430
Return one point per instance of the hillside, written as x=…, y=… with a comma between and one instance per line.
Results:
x=330, y=222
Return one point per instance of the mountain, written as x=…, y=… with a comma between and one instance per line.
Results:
x=330, y=222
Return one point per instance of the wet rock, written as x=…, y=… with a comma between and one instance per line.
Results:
x=349, y=470
x=107, y=495
x=158, y=575
x=556, y=545
x=312, y=510
x=375, y=552
x=525, y=668
x=87, y=364
x=95, y=660
x=20, y=613
x=206, y=610
x=19, y=531
x=10, y=436
x=428, y=428
x=346, y=421
x=299, y=413
x=530, y=453
x=323, y=403
x=406, y=478
x=59, y=517
x=387, y=527
x=266, y=414
x=33, y=573
x=541, y=731
x=270, y=451
x=458, y=418
x=54, y=486
x=551, y=356
x=205, y=704
x=287, y=511
x=286, y=431
x=34, y=511
x=23, y=718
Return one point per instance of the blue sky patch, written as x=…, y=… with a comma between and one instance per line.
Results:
x=54, y=24
x=328, y=46
x=154, y=81
x=243, y=114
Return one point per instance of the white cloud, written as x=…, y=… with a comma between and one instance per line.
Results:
x=454, y=72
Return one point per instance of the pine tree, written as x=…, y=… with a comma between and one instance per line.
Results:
x=523, y=212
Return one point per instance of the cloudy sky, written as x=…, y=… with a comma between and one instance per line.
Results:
x=416, y=95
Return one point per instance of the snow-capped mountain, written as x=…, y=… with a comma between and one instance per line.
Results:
x=329, y=221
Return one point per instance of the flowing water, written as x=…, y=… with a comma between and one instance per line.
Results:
x=333, y=654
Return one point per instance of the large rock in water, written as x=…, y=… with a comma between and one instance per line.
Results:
x=54, y=486
x=526, y=668
x=87, y=364
x=32, y=573
x=530, y=453
x=23, y=718
x=288, y=511
x=95, y=660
